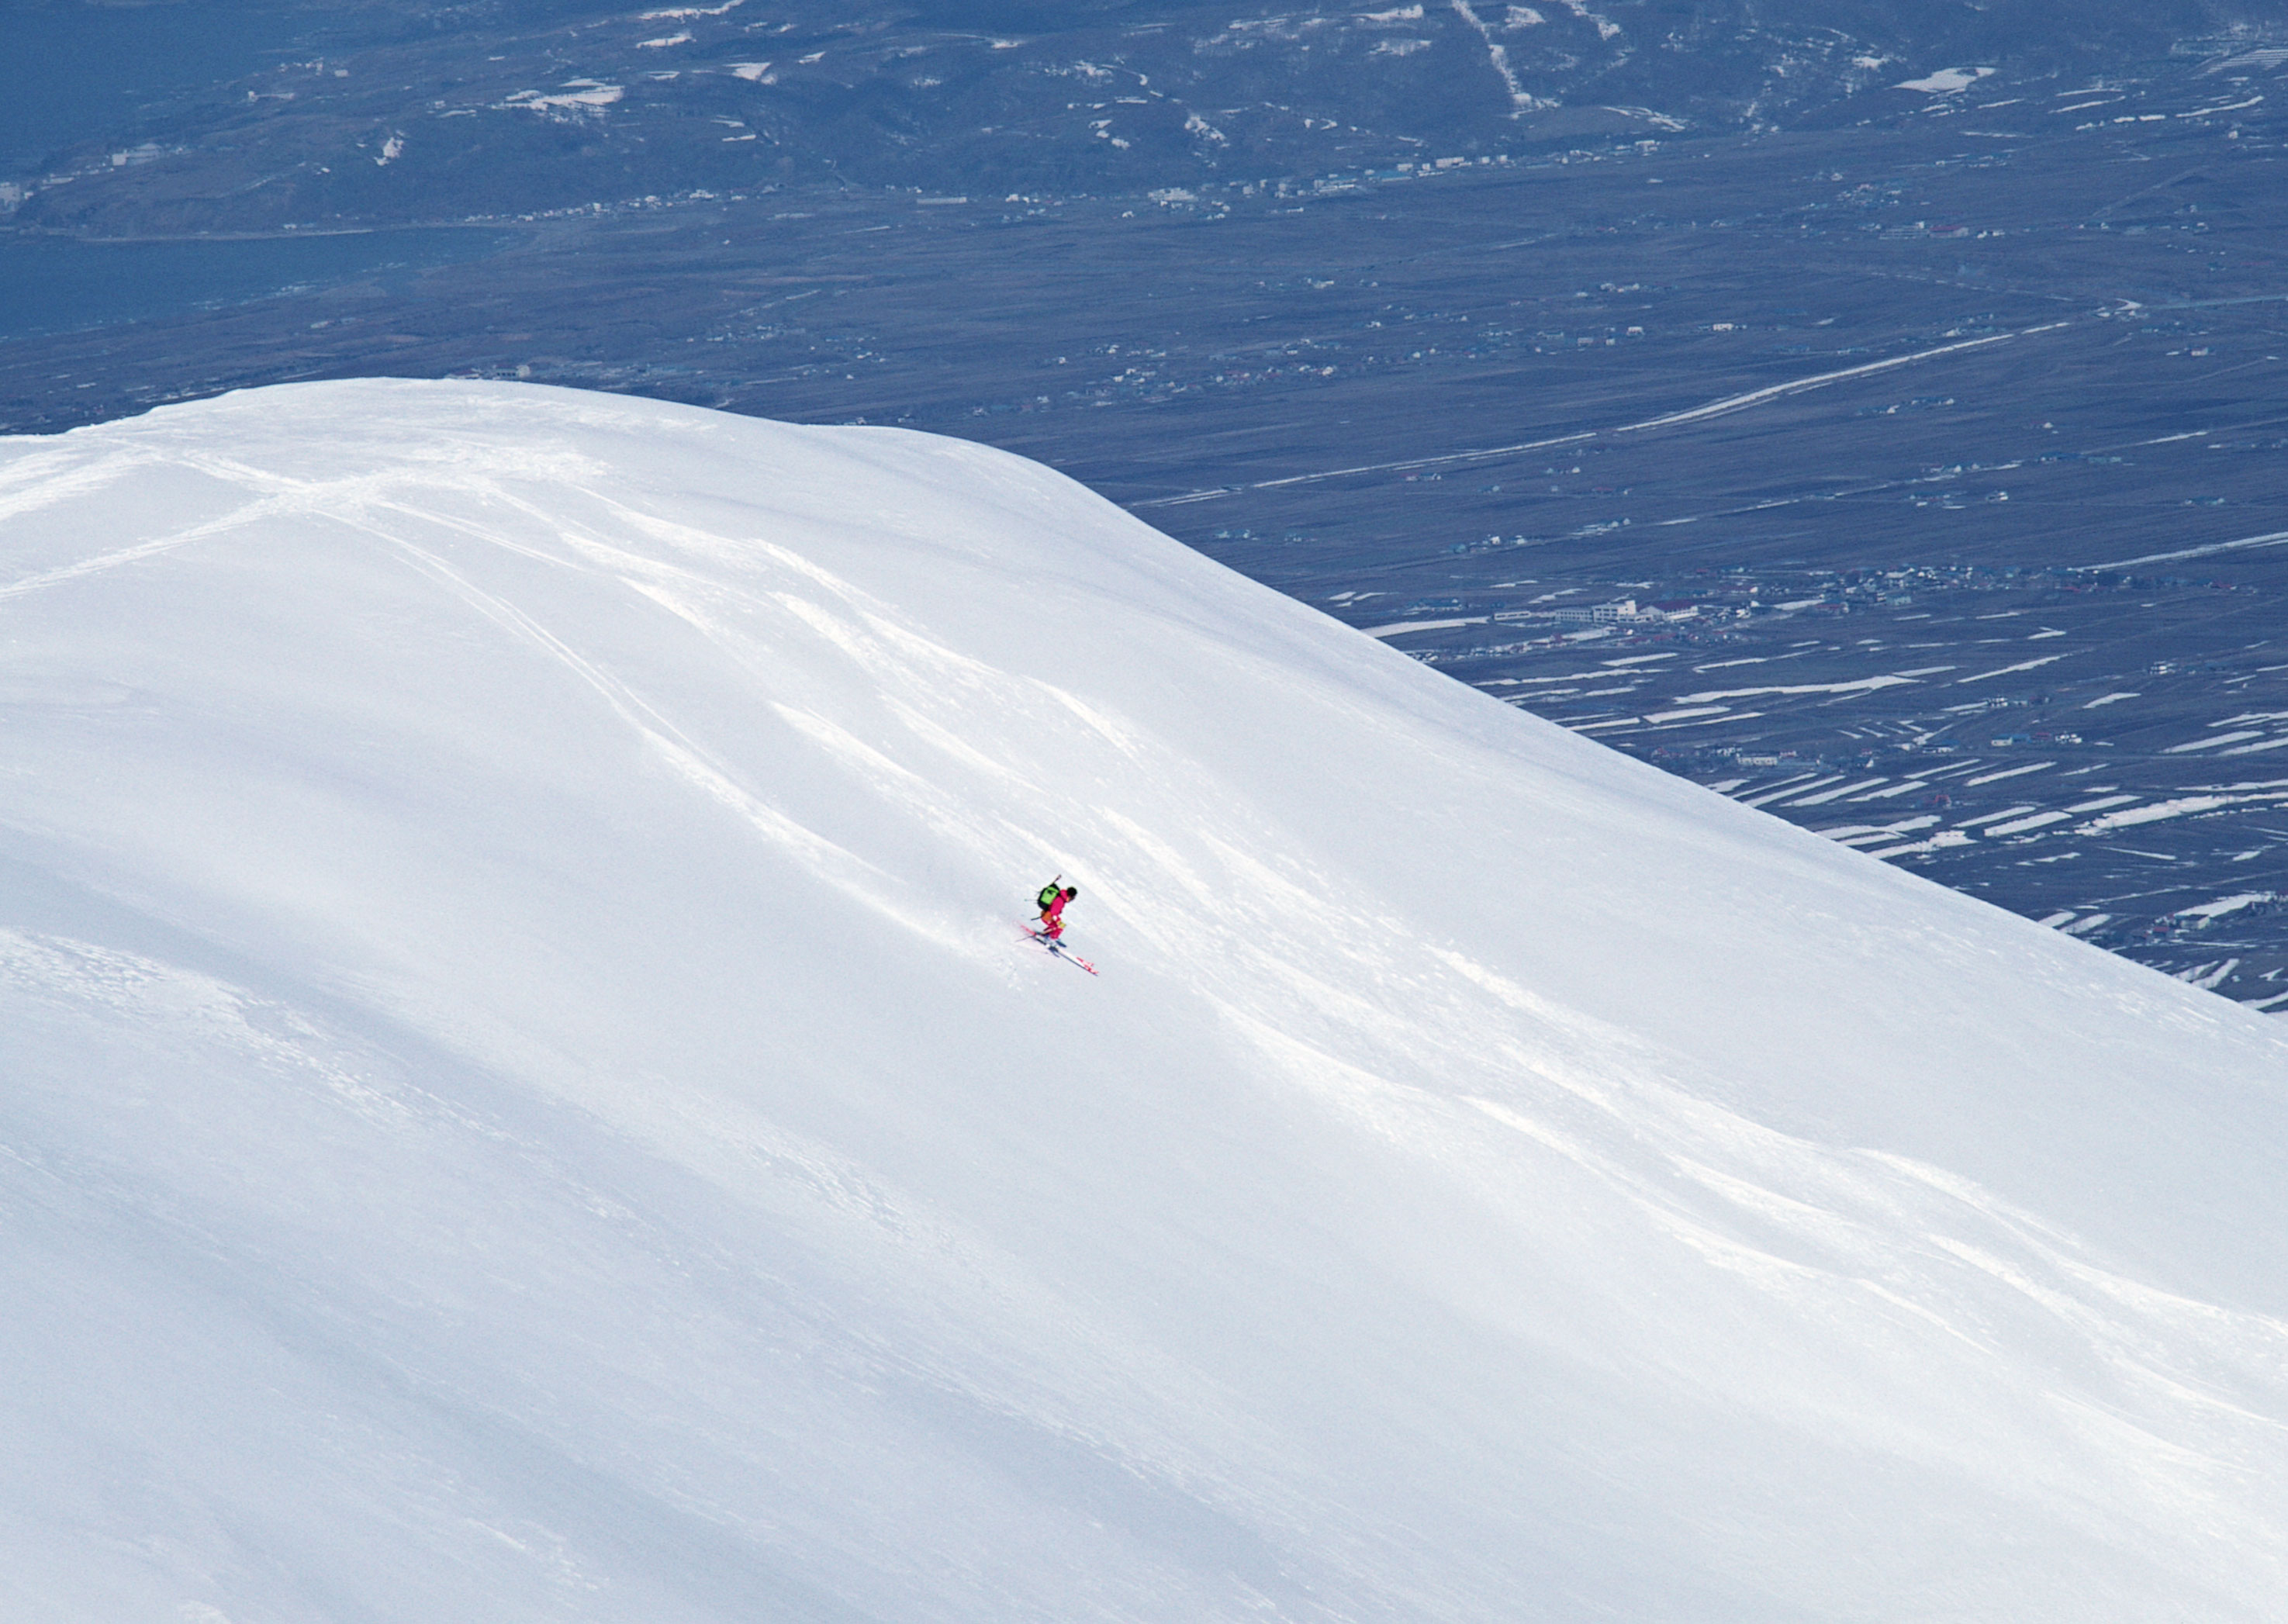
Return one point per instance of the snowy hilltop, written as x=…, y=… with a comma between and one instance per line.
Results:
x=524, y=1095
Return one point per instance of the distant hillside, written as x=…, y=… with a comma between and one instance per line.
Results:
x=426, y=111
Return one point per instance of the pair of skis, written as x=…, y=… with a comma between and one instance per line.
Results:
x=1059, y=950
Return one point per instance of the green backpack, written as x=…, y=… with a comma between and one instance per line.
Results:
x=1049, y=894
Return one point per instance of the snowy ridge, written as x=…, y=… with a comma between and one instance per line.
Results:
x=522, y=1098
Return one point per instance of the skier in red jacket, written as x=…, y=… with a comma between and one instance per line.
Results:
x=1053, y=899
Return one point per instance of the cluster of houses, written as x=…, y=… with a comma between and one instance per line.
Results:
x=1627, y=611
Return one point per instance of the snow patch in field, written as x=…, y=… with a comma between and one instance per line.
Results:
x=1997, y=777
x=575, y=95
x=1396, y=627
x=2157, y=811
x=2226, y=905
x=1864, y=684
x=2211, y=743
x=2005, y=670
x=1946, y=80
x=2020, y=826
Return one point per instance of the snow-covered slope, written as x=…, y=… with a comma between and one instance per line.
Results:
x=521, y=1096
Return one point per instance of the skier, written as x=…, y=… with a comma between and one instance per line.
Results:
x=1053, y=899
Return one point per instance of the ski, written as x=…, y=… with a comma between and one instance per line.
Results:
x=1059, y=950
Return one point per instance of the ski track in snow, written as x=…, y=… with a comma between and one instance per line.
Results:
x=520, y=1011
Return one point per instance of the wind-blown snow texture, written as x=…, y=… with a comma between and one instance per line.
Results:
x=524, y=1098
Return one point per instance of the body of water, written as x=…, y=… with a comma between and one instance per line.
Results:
x=50, y=285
